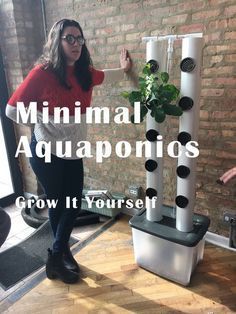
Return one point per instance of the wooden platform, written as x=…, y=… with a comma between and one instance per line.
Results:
x=111, y=282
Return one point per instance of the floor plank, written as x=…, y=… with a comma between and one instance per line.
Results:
x=111, y=282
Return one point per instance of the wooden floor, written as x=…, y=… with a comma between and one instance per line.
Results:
x=112, y=283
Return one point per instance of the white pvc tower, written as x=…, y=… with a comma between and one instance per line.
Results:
x=188, y=130
x=154, y=165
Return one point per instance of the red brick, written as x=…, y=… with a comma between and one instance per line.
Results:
x=88, y=15
x=129, y=46
x=204, y=15
x=176, y=19
x=232, y=22
x=138, y=55
x=96, y=41
x=129, y=7
x=231, y=93
x=225, y=155
x=116, y=19
x=207, y=82
x=94, y=23
x=191, y=28
x=127, y=27
x=216, y=2
x=229, y=143
x=217, y=49
x=228, y=133
x=147, y=24
x=216, y=189
x=218, y=70
x=189, y=6
x=218, y=24
x=213, y=92
x=101, y=12
x=225, y=81
x=230, y=35
x=107, y=30
x=219, y=81
x=148, y=3
x=134, y=36
x=211, y=37
x=228, y=125
x=115, y=39
x=209, y=161
x=204, y=115
x=230, y=10
x=159, y=12
x=224, y=115
x=230, y=58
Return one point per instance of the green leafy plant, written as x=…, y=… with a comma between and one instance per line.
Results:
x=155, y=93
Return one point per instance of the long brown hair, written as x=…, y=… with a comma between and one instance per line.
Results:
x=53, y=56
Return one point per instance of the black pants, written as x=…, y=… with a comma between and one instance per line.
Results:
x=60, y=178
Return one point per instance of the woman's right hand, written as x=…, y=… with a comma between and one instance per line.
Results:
x=125, y=61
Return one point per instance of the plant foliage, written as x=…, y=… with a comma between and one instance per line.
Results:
x=155, y=94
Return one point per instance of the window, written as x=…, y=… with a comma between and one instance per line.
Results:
x=10, y=175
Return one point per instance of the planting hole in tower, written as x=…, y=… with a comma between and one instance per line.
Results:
x=181, y=201
x=150, y=165
x=151, y=135
x=154, y=66
x=186, y=103
x=187, y=65
x=150, y=192
x=183, y=171
x=184, y=138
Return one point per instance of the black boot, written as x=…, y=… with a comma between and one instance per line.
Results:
x=55, y=268
x=69, y=261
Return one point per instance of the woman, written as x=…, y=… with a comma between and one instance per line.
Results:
x=64, y=75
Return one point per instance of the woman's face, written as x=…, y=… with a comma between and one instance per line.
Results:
x=71, y=50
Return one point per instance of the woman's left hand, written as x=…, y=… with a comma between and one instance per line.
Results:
x=125, y=61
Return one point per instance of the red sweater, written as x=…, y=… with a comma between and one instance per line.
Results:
x=42, y=85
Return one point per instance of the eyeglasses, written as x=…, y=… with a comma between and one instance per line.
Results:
x=71, y=39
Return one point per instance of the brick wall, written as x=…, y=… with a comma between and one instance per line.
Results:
x=110, y=25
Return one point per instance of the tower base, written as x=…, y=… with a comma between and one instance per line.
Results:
x=162, y=249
